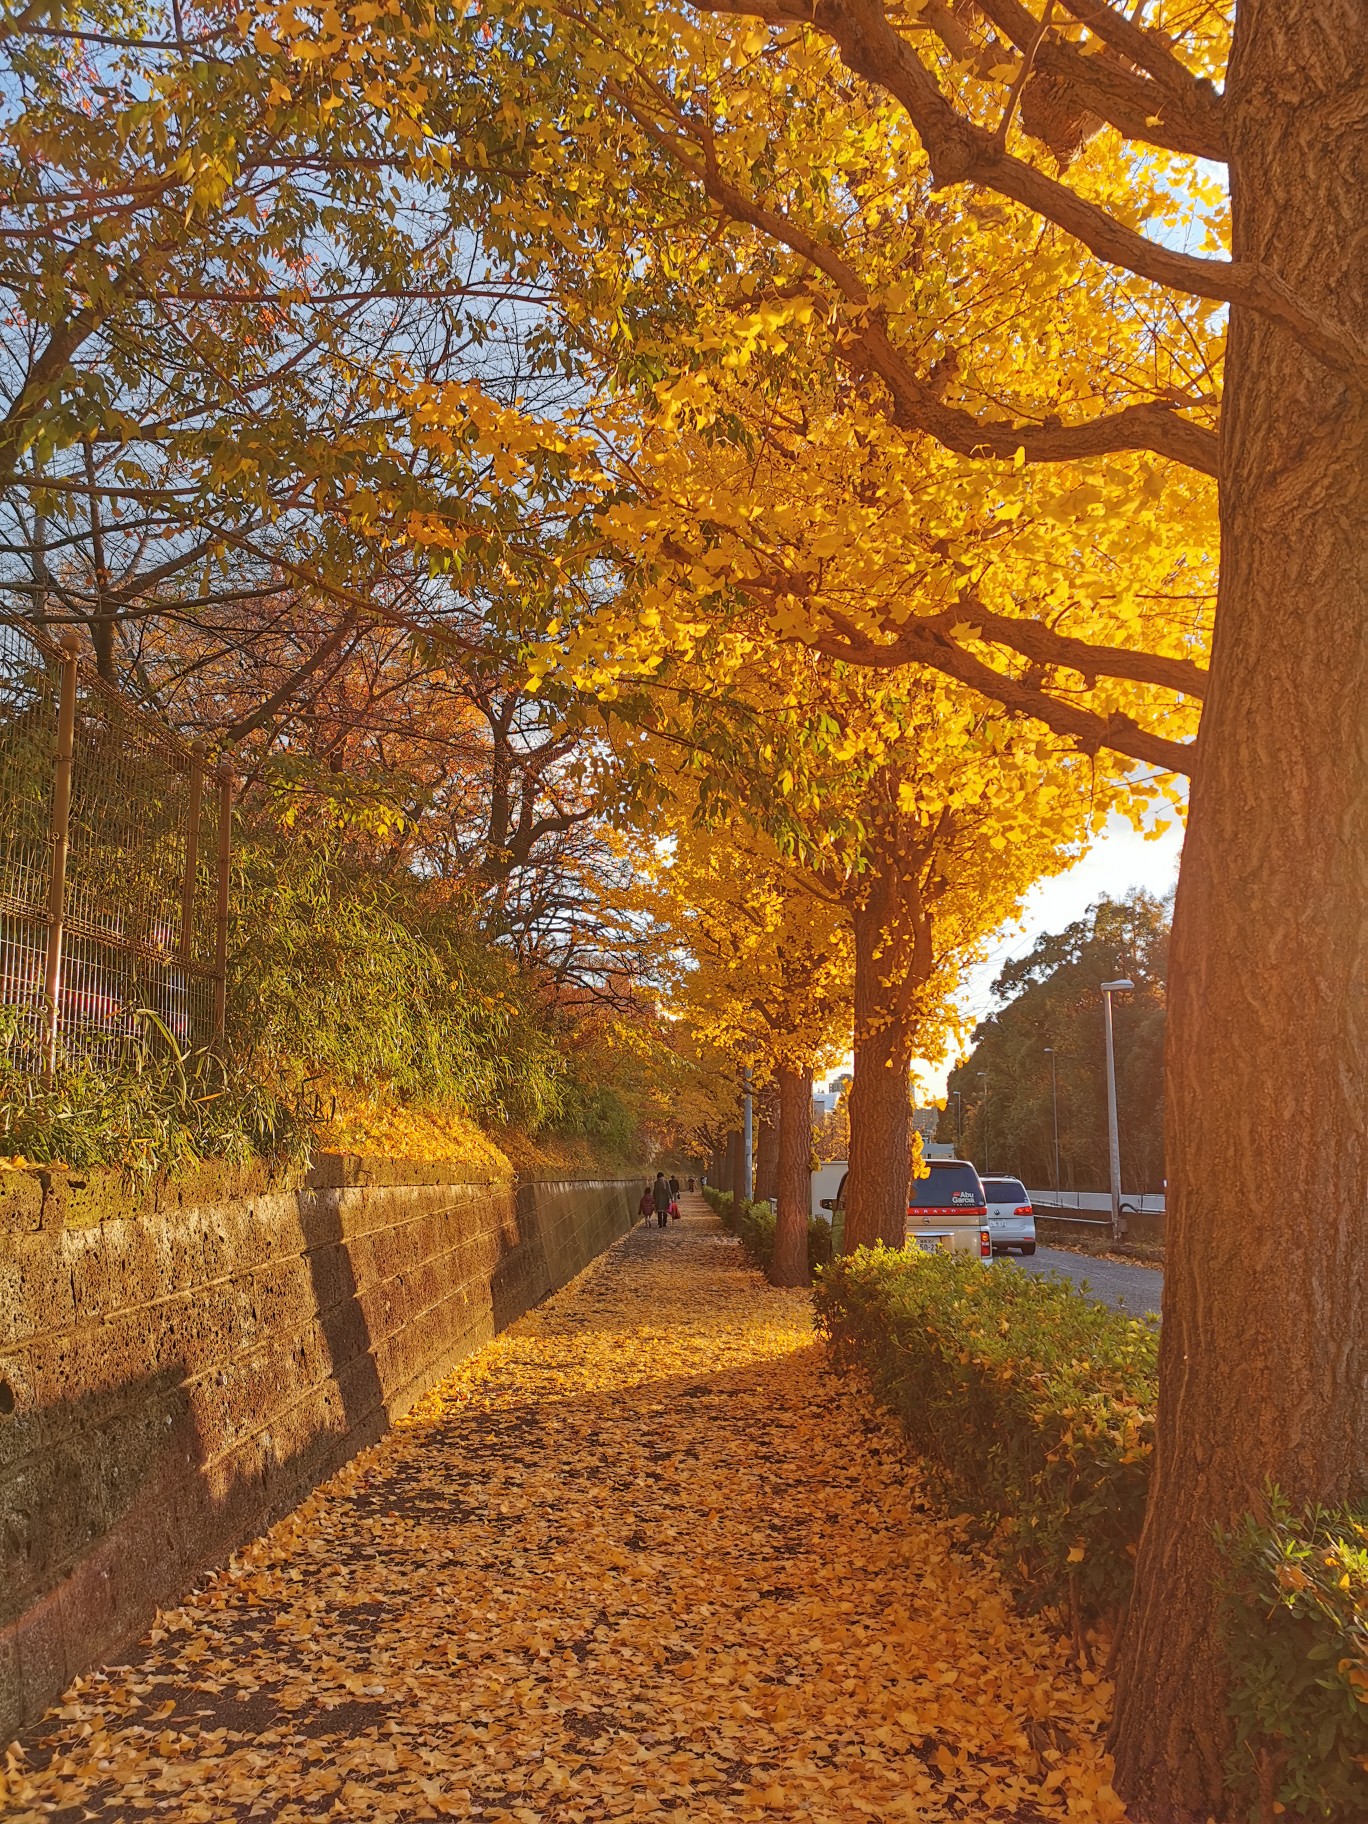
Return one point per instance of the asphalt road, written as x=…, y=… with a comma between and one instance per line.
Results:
x=1133, y=1289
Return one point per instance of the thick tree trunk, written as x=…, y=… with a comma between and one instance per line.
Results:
x=880, y=1106
x=1264, y=1356
x=767, y=1144
x=790, y=1266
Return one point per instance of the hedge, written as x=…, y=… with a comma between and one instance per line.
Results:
x=1033, y=1407
x=754, y=1225
x=1297, y=1641
x=1032, y=1404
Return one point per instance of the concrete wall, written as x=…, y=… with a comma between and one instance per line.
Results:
x=178, y=1367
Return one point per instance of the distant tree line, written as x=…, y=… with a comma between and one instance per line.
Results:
x=1051, y=998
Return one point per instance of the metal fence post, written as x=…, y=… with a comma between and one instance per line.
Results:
x=192, y=829
x=225, y=856
x=61, y=839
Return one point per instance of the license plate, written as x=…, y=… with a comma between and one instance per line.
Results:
x=929, y=1244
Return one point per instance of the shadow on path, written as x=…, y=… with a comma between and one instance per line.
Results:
x=644, y=1556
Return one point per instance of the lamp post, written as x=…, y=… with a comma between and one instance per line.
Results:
x=983, y=1078
x=1113, y=1135
x=1054, y=1101
x=959, y=1122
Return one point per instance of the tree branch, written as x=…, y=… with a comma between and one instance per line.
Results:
x=1042, y=645
x=962, y=152
x=1153, y=425
x=42, y=376
x=1177, y=110
x=925, y=644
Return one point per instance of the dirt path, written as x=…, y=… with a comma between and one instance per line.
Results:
x=643, y=1556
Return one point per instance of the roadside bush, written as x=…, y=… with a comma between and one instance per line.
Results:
x=1297, y=1639
x=1032, y=1405
x=754, y=1224
x=720, y=1202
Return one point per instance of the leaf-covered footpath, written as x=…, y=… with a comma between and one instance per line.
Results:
x=644, y=1555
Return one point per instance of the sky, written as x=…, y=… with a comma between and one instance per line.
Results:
x=1120, y=859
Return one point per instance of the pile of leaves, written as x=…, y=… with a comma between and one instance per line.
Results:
x=1032, y=1404
x=642, y=1557
x=1297, y=1638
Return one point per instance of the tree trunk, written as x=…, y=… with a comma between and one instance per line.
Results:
x=790, y=1266
x=767, y=1144
x=1264, y=1356
x=880, y=1106
x=736, y=1167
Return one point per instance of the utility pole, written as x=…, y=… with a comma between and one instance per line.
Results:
x=983, y=1077
x=1054, y=1100
x=748, y=1138
x=959, y=1123
x=1113, y=1132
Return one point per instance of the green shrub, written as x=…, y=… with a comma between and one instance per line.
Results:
x=754, y=1223
x=1031, y=1403
x=377, y=979
x=1296, y=1604
x=159, y=1109
x=720, y=1203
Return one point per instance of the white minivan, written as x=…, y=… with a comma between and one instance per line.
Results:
x=947, y=1212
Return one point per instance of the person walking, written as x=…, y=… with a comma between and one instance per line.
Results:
x=647, y=1204
x=674, y=1185
x=660, y=1197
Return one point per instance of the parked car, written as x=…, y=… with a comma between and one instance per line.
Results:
x=1011, y=1221
x=946, y=1211
x=826, y=1183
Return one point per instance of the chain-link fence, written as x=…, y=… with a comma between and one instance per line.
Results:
x=113, y=867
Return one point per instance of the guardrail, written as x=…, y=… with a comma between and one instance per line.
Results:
x=1141, y=1203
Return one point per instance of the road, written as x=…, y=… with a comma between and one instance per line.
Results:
x=1130, y=1288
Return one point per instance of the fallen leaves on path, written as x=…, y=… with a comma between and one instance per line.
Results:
x=644, y=1555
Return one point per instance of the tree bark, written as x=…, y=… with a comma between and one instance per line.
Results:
x=767, y=1144
x=892, y=930
x=736, y=1167
x=1264, y=1355
x=790, y=1266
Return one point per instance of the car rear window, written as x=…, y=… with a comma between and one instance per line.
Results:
x=950, y=1185
x=1005, y=1190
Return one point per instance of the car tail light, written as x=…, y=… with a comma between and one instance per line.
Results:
x=1022, y=1209
x=985, y=1245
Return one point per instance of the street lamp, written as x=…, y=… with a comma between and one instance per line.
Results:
x=1054, y=1099
x=983, y=1076
x=1113, y=1136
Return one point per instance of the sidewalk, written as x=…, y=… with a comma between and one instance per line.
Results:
x=643, y=1556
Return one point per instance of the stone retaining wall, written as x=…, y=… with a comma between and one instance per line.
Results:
x=179, y=1367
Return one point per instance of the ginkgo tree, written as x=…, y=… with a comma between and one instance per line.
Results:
x=762, y=979
x=899, y=801
x=1088, y=135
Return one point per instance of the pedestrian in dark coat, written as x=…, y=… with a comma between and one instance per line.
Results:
x=660, y=1196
